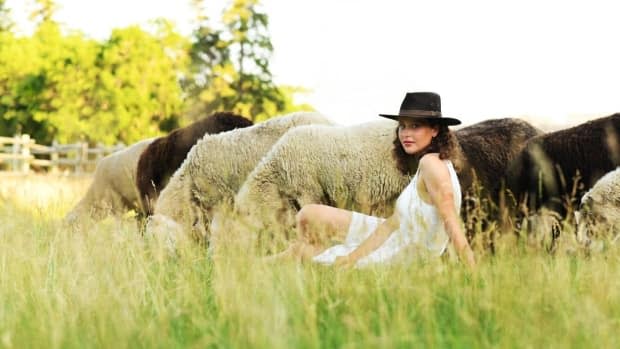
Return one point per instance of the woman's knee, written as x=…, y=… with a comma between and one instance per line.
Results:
x=314, y=221
x=308, y=213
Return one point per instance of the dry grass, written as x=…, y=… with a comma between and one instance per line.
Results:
x=104, y=286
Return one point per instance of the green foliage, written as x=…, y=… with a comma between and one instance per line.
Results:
x=19, y=85
x=59, y=85
x=69, y=88
x=230, y=67
x=6, y=23
x=44, y=12
x=137, y=84
x=288, y=105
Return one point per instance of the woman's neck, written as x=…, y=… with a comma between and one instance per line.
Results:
x=418, y=155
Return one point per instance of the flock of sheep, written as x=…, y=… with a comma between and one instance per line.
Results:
x=267, y=171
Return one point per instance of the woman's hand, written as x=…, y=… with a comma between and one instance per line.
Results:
x=467, y=255
x=371, y=243
x=344, y=262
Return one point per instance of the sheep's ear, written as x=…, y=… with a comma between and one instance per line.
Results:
x=586, y=202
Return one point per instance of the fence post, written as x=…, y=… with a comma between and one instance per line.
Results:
x=15, y=152
x=77, y=167
x=54, y=157
x=99, y=154
x=25, y=153
x=83, y=157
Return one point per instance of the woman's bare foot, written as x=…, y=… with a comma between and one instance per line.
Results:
x=297, y=252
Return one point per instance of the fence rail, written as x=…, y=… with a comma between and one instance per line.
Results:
x=21, y=153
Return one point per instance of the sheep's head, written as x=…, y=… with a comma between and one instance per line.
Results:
x=599, y=210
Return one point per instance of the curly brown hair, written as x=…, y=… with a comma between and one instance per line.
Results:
x=445, y=143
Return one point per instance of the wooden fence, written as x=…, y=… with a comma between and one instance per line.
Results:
x=21, y=154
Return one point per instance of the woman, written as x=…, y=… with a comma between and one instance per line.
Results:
x=426, y=213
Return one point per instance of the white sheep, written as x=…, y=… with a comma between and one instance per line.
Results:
x=600, y=207
x=113, y=189
x=353, y=168
x=212, y=173
x=343, y=166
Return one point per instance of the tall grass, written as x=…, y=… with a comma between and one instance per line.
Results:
x=103, y=285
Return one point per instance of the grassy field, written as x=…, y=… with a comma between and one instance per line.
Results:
x=103, y=286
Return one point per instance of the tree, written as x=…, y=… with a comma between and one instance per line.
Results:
x=138, y=90
x=23, y=81
x=44, y=12
x=70, y=88
x=137, y=83
x=20, y=84
x=50, y=77
x=6, y=23
x=231, y=66
x=124, y=89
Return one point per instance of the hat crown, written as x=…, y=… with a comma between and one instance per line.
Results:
x=423, y=106
x=427, y=101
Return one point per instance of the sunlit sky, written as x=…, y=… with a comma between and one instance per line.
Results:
x=552, y=62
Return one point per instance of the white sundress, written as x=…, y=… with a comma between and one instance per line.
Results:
x=420, y=227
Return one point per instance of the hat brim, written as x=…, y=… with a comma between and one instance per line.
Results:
x=429, y=119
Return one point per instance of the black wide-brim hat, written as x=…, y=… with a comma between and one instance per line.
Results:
x=424, y=106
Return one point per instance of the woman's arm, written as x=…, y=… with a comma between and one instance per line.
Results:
x=436, y=178
x=372, y=242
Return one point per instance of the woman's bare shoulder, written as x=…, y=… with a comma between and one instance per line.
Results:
x=431, y=164
x=430, y=159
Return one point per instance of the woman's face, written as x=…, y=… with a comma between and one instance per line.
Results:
x=415, y=135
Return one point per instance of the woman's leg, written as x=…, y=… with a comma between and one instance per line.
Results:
x=317, y=225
